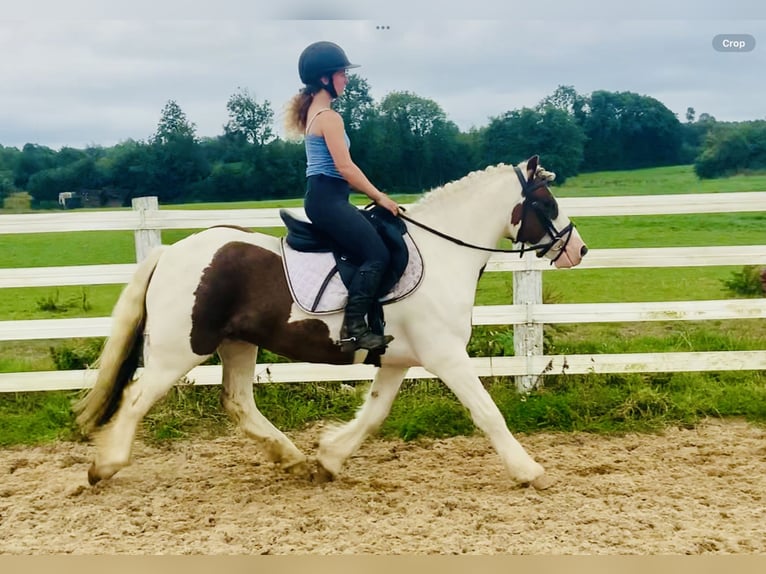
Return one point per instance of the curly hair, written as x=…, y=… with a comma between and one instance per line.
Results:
x=297, y=109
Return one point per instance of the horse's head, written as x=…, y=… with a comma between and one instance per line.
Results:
x=537, y=221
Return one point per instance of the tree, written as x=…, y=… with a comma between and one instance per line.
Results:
x=548, y=131
x=360, y=118
x=567, y=99
x=355, y=104
x=693, y=134
x=733, y=148
x=249, y=119
x=33, y=158
x=78, y=176
x=173, y=125
x=626, y=130
x=9, y=159
x=419, y=147
x=418, y=115
x=281, y=171
x=124, y=169
x=174, y=160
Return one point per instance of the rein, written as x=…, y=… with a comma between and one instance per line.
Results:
x=543, y=248
x=455, y=240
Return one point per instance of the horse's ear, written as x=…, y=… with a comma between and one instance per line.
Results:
x=532, y=164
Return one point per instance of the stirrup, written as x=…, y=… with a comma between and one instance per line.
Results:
x=351, y=344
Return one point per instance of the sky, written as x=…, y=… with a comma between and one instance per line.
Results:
x=80, y=74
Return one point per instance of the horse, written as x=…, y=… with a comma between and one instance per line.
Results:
x=224, y=290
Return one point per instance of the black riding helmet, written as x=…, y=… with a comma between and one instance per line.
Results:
x=322, y=59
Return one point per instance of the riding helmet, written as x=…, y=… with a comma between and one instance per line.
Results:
x=321, y=59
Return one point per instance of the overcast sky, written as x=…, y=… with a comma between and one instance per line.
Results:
x=81, y=78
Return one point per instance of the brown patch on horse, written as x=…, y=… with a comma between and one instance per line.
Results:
x=516, y=214
x=532, y=229
x=243, y=295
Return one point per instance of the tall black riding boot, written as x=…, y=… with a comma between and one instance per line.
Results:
x=355, y=333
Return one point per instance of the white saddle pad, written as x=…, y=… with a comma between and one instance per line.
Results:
x=316, y=285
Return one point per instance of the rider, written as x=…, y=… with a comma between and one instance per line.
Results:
x=331, y=174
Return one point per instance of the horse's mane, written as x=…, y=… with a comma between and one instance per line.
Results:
x=454, y=187
x=459, y=185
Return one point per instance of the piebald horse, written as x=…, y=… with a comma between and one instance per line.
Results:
x=224, y=290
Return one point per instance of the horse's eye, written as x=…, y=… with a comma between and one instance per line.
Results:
x=548, y=208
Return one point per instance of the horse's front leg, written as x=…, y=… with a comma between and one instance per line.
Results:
x=454, y=368
x=340, y=442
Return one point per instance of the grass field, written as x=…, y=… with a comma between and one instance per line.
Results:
x=655, y=181
x=566, y=403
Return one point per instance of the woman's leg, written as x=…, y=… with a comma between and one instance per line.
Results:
x=328, y=208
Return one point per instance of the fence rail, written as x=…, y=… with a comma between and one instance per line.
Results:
x=596, y=259
x=540, y=314
x=484, y=366
x=527, y=313
x=131, y=220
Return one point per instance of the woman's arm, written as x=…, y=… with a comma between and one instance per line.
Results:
x=331, y=128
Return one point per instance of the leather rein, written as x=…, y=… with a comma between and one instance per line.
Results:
x=559, y=240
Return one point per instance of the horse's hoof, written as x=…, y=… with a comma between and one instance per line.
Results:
x=322, y=475
x=543, y=482
x=300, y=468
x=93, y=476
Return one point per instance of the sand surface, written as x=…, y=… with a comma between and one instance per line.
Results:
x=697, y=491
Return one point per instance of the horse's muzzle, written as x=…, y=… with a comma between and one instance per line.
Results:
x=573, y=253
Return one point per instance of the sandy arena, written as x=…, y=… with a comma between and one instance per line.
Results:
x=699, y=491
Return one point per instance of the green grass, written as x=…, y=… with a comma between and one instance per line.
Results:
x=80, y=247
x=655, y=181
x=665, y=336
x=609, y=403
x=66, y=249
x=693, y=230
x=34, y=418
x=616, y=285
x=640, y=284
x=25, y=303
x=587, y=403
x=426, y=408
x=26, y=356
x=630, y=403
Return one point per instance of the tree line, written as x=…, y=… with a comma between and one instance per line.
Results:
x=405, y=143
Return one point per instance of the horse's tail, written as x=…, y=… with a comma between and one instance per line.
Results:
x=119, y=358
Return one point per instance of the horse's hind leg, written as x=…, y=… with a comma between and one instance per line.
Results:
x=114, y=440
x=340, y=442
x=238, y=360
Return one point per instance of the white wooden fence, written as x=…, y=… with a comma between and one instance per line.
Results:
x=527, y=313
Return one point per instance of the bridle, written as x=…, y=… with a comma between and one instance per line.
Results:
x=559, y=238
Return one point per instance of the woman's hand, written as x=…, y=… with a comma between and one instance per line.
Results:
x=388, y=203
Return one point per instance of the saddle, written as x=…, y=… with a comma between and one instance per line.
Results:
x=319, y=272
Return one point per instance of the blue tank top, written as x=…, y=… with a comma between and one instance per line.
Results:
x=318, y=158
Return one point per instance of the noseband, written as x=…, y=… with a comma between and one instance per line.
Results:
x=559, y=239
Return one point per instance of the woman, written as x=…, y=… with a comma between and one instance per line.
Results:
x=331, y=174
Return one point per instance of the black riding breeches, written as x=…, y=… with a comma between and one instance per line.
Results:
x=328, y=208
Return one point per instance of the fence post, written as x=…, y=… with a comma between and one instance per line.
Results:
x=146, y=239
x=527, y=337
